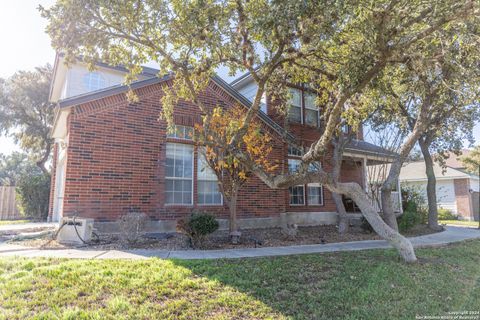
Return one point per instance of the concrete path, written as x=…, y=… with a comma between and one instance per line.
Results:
x=27, y=226
x=450, y=235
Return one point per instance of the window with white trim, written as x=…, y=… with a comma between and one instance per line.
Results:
x=297, y=195
x=208, y=191
x=179, y=174
x=295, y=106
x=315, y=194
x=312, y=116
x=181, y=132
x=93, y=81
x=295, y=151
x=303, y=103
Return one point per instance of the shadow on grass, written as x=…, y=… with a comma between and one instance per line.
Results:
x=355, y=285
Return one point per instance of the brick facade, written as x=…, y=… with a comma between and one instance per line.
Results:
x=116, y=155
x=463, y=198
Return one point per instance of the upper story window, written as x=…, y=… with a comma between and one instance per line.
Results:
x=302, y=108
x=295, y=110
x=94, y=81
x=295, y=151
x=181, y=132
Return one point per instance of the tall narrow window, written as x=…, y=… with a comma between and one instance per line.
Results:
x=315, y=194
x=295, y=108
x=179, y=174
x=297, y=195
x=207, y=183
x=312, y=117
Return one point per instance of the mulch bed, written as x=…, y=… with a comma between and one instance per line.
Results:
x=272, y=237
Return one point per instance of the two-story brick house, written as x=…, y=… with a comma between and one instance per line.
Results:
x=112, y=156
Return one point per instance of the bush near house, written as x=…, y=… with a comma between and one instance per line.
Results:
x=33, y=191
x=445, y=214
x=197, y=227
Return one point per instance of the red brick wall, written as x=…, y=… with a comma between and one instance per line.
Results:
x=116, y=161
x=463, y=197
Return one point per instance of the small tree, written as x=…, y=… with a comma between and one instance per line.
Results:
x=231, y=172
x=472, y=161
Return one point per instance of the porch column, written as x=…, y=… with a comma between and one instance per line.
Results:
x=365, y=174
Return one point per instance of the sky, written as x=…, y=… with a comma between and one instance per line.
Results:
x=25, y=45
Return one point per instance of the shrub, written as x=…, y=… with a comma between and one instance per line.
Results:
x=408, y=220
x=132, y=226
x=197, y=227
x=33, y=193
x=445, y=214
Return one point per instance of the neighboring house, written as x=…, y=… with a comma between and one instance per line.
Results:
x=113, y=157
x=457, y=190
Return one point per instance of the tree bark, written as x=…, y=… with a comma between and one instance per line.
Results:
x=402, y=244
x=233, y=214
x=343, y=220
x=387, y=208
x=431, y=185
x=46, y=154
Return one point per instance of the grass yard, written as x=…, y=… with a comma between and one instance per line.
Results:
x=460, y=222
x=6, y=222
x=354, y=285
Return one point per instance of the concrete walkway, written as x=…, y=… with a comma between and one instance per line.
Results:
x=28, y=226
x=450, y=235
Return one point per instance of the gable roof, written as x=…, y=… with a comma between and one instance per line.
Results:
x=415, y=171
x=354, y=146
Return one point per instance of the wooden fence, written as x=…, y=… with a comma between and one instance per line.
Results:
x=8, y=204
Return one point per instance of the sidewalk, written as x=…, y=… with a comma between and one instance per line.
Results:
x=28, y=226
x=450, y=235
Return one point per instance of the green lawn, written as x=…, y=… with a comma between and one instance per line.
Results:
x=5, y=222
x=460, y=222
x=354, y=285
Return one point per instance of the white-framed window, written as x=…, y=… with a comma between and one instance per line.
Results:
x=297, y=195
x=315, y=194
x=93, y=81
x=295, y=113
x=293, y=165
x=208, y=191
x=303, y=102
x=295, y=151
x=312, y=114
x=179, y=174
x=346, y=128
x=181, y=132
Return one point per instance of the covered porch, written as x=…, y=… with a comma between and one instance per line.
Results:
x=374, y=163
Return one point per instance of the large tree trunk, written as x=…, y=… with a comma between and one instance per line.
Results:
x=387, y=208
x=402, y=244
x=431, y=185
x=343, y=220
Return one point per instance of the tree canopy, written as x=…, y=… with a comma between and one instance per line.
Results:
x=26, y=114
